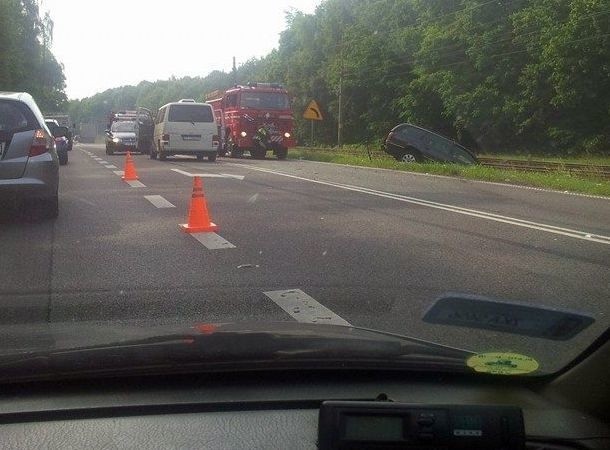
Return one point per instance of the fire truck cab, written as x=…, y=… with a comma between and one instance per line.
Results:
x=256, y=118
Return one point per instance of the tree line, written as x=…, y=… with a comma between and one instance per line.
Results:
x=498, y=76
x=26, y=61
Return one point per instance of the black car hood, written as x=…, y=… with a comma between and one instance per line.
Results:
x=65, y=350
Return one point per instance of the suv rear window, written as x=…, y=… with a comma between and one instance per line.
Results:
x=190, y=113
x=15, y=117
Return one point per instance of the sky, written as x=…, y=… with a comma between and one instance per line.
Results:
x=109, y=43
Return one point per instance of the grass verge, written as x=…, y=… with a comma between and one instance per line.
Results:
x=559, y=180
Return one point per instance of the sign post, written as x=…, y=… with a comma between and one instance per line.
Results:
x=312, y=112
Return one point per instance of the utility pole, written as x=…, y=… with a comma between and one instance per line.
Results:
x=234, y=72
x=340, y=113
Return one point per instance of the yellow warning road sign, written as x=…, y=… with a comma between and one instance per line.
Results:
x=312, y=112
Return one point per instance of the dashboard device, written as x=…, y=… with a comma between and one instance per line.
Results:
x=389, y=425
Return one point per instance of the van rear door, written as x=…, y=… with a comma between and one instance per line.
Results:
x=191, y=126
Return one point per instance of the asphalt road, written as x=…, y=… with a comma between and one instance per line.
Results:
x=372, y=247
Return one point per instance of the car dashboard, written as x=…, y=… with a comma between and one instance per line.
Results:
x=258, y=410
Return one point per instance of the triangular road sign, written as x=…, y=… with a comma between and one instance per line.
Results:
x=312, y=112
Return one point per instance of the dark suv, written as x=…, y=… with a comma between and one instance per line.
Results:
x=409, y=143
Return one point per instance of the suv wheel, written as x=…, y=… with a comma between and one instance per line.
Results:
x=409, y=157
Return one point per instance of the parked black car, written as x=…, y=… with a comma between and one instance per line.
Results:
x=409, y=143
x=60, y=134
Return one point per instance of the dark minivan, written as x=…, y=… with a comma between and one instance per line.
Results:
x=409, y=143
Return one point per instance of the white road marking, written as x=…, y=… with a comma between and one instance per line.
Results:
x=228, y=175
x=576, y=234
x=101, y=161
x=110, y=166
x=208, y=175
x=304, y=308
x=212, y=241
x=158, y=201
x=119, y=173
x=135, y=184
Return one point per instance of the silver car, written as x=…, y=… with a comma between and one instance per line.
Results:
x=29, y=167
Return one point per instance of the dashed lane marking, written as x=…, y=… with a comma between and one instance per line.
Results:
x=159, y=201
x=135, y=184
x=209, y=175
x=101, y=161
x=576, y=234
x=119, y=173
x=304, y=308
x=212, y=241
x=110, y=166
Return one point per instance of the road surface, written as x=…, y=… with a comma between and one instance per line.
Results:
x=373, y=248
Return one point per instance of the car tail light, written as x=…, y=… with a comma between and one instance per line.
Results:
x=41, y=143
x=165, y=137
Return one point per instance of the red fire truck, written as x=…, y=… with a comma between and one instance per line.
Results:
x=254, y=118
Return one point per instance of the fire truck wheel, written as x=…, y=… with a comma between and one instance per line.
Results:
x=258, y=153
x=282, y=153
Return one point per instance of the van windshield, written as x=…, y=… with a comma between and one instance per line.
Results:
x=190, y=113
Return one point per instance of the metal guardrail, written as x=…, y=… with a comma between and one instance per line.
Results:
x=590, y=170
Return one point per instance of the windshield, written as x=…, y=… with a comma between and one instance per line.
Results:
x=264, y=100
x=123, y=127
x=433, y=171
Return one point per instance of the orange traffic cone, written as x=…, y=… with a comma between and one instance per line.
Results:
x=199, y=218
x=130, y=169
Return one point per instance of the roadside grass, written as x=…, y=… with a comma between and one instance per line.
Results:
x=558, y=180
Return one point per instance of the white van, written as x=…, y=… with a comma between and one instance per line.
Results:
x=185, y=128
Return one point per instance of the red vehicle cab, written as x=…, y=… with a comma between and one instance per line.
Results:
x=256, y=118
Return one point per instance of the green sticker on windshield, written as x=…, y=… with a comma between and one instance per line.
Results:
x=502, y=363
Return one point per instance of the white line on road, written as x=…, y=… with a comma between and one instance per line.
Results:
x=304, y=308
x=212, y=241
x=119, y=173
x=158, y=201
x=101, y=161
x=110, y=166
x=208, y=175
x=583, y=235
x=135, y=184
